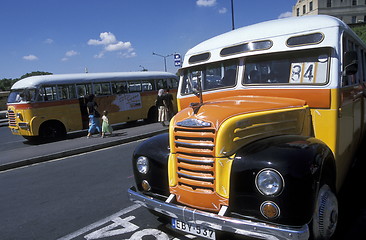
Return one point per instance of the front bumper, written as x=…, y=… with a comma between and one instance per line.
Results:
x=220, y=223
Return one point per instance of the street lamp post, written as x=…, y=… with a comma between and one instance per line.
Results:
x=232, y=15
x=164, y=58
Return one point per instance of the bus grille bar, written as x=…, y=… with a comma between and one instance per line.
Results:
x=11, y=118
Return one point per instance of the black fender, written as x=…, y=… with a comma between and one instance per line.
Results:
x=302, y=161
x=156, y=149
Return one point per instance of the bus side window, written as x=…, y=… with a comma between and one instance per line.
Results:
x=102, y=89
x=49, y=93
x=134, y=86
x=148, y=85
x=174, y=83
x=66, y=92
x=72, y=91
x=162, y=84
x=83, y=90
x=119, y=87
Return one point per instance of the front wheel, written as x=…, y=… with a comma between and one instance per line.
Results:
x=52, y=130
x=325, y=215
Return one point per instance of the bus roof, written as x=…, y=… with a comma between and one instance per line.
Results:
x=265, y=31
x=35, y=81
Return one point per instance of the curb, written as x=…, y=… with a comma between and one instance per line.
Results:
x=49, y=157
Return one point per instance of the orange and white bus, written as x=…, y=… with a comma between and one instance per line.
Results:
x=51, y=105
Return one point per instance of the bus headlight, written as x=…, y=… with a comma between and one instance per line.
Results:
x=142, y=164
x=269, y=182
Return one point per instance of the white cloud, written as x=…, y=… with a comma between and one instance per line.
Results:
x=223, y=10
x=110, y=44
x=106, y=39
x=30, y=57
x=48, y=41
x=118, y=46
x=285, y=15
x=206, y=3
x=71, y=53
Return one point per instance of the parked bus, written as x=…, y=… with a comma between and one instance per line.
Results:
x=51, y=105
x=265, y=148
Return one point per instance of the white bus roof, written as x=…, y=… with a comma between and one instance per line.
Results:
x=35, y=81
x=264, y=31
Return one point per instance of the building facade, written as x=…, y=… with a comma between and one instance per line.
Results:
x=349, y=11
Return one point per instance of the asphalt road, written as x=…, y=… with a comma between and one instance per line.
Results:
x=55, y=199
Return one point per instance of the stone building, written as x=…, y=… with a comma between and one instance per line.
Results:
x=349, y=11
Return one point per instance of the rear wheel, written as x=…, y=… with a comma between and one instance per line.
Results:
x=152, y=115
x=325, y=215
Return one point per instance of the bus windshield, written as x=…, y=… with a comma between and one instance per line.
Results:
x=287, y=68
x=214, y=75
x=21, y=95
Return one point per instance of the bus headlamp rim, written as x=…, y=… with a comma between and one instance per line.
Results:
x=269, y=182
x=142, y=165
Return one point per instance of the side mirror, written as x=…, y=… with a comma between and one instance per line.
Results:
x=350, y=63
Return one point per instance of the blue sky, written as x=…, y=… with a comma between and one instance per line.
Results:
x=67, y=36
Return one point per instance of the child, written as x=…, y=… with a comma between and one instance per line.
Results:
x=105, y=125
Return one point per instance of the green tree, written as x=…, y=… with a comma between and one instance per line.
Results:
x=6, y=83
x=360, y=30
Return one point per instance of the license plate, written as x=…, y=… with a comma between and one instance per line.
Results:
x=193, y=229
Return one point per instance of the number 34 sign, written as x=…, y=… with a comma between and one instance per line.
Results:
x=307, y=73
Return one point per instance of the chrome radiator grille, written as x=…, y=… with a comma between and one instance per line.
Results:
x=11, y=118
x=195, y=158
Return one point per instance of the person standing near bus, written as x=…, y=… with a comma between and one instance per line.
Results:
x=105, y=124
x=162, y=107
x=94, y=116
x=169, y=104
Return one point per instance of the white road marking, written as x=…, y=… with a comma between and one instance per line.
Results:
x=100, y=222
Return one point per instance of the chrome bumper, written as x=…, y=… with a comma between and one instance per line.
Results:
x=218, y=222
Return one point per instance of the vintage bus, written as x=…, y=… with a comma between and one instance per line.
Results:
x=51, y=105
x=271, y=116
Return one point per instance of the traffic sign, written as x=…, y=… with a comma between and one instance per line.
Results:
x=177, y=60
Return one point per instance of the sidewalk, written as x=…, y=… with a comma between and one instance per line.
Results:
x=75, y=143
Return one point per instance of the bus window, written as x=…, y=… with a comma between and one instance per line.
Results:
x=83, y=90
x=162, y=84
x=102, y=89
x=288, y=68
x=148, y=85
x=119, y=87
x=174, y=83
x=48, y=93
x=134, y=86
x=215, y=75
x=66, y=91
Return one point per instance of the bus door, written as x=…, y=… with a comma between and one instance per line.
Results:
x=83, y=91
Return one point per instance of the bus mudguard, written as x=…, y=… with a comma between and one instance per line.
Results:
x=298, y=163
x=150, y=165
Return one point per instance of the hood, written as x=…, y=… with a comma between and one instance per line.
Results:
x=216, y=112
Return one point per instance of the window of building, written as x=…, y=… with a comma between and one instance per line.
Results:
x=303, y=9
x=354, y=2
x=354, y=19
x=297, y=11
x=329, y=3
x=311, y=6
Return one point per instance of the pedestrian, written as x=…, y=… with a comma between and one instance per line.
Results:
x=161, y=106
x=105, y=124
x=169, y=104
x=94, y=116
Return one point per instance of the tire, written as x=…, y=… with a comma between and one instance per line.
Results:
x=325, y=215
x=52, y=130
x=152, y=115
